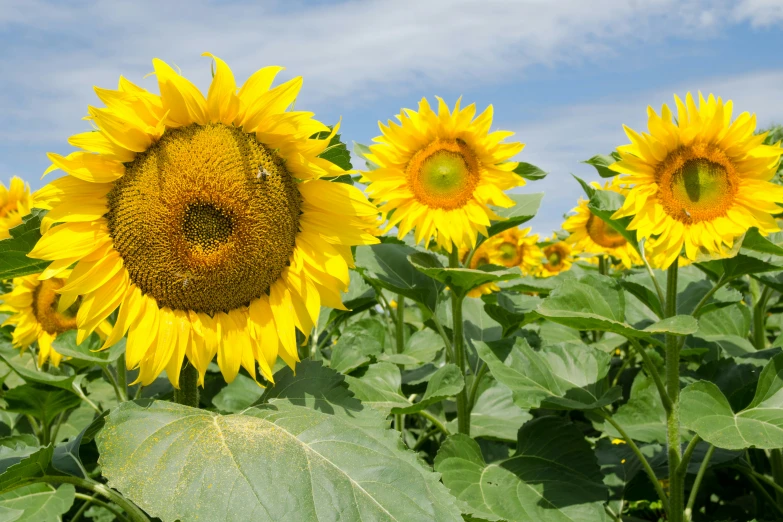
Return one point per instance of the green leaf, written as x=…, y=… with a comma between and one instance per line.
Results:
x=524, y=209
x=478, y=324
x=643, y=416
x=601, y=163
x=729, y=328
x=705, y=410
x=13, y=250
x=359, y=344
x=42, y=402
x=460, y=280
x=641, y=287
x=494, y=416
x=553, y=476
x=604, y=203
x=237, y=395
x=597, y=302
x=15, y=470
x=24, y=366
x=311, y=453
x=380, y=387
x=65, y=344
x=529, y=172
x=387, y=266
x=512, y=311
x=420, y=348
x=39, y=502
x=336, y=152
x=758, y=243
x=589, y=191
x=563, y=376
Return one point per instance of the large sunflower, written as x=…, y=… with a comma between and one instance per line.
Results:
x=15, y=202
x=591, y=234
x=557, y=257
x=205, y=221
x=700, y=181
x=36, y=312
x=439, y=172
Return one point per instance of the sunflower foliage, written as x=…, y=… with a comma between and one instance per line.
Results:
x=467, y=369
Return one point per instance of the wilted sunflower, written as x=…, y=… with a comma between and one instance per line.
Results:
x=700, y=181
x=205, y=221
x=15, y=202
x=34, y=305
x=592, y=235
x=557, y=258
x=439, y=172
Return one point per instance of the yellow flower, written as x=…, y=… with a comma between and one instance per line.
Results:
x=557, y=258
x=204, y=220
x=36, y=312
x=439, y=172
x=592, y=235
x=15, y=202
x=514, y=247
x=699, y=182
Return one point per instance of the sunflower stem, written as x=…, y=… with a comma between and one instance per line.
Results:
x=463, y=415
x=676, y=486
x=603, y=266
x=697, y=482
x=187, y=395
x=399, y=420
x=122, y=377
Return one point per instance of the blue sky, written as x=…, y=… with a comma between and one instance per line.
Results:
x=565, y=75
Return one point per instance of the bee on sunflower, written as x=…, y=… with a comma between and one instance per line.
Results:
x=204, y=220
x=439, y=172
x=698, y=182
x=592, y=235
x=38, y=315
x=15, y=202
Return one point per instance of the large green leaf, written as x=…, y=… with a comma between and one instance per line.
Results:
x=13, y=250
x=39, y=502
x=552, y=477
x=34, y=465
x=420, y=348
x=563, y=376
x=42, y=402
x=494, y=416
x=460, y=280
x=358, y=345
x=729, y=328
x=707, y=411
x=310, y=452
x=524, y=209
x=387, y=266
x=380, y=387
x=597, y=302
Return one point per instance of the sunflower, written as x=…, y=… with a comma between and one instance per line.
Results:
x=557, y=257
x=205, y=221
x=439, y=172
x=15, y=202
x=592, y=235
x=35, y=307
x=515, y=247
x=700, y=181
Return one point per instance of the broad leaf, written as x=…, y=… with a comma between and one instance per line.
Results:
x=13, y=471
x=42, y=402
x=524, y=209
x=358, y=345
x=13, y=250
x=387, y=266
x=420, y=348
x=552, y=477
x=494, y=416
x=512, y=311
x=729, y=328
x=564, y=376
x=707, y=411
x=460, y=280
x=38, y=502
x=237, y=395
x=643, y=416
x=65, y=344
x=311, y=452
x=24, y=366
x=529, y=172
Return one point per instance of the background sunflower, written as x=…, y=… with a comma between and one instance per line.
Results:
x=15, y=202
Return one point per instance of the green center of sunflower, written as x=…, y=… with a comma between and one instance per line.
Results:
x=206, y=219
x=603, y=234
x=509, y=253
x=444, y=174
x=554, y=258
x=697, y=183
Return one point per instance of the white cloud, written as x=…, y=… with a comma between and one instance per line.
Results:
x=760, y=13
x=561, y=140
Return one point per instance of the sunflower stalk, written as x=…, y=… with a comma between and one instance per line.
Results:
x=676, y=485
x=399, y=419
x=463, y=414
x=187, y=394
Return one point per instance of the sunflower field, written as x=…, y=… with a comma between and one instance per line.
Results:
x=210, y=314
